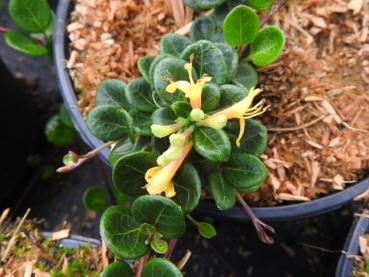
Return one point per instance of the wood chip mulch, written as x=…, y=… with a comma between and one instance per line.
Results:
x=319, y=95
x=108, y=37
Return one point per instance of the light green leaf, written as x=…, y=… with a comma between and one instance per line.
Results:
x=260, y=4
x=116, y=269
x=25, y=44
x=160, y=268
x=241, y=26
x=206, y=230
x=160, y=246
x=267, y=46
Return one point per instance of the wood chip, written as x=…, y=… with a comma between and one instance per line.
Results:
x=62, y=234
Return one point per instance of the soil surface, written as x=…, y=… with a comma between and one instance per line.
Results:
x=307, y=247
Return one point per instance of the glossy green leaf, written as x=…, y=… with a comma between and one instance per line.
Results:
x=246, y=76
x=208, y=59
x=161, y=212
x=245, y=172
x=210, y=97
x=143, y=65
x=206, y=230
x=141, y=122
x=202, y=28
x=31, y=16
x=154, y=63
x=122, y=233
x=187, y=185
x=109, y=122
x=121, y=198
x=170, y=69
x=25, y=44
x=158, y=267
x=163, y=116
x=94, y=198
x=221, y=12
x=267, y=46
x=241, y=26
x=139, y=95
x=223, y=194
x=208, y=4
x=117, y=269
x=129, y=172
x=173, y=44
x=231, y=58
x=64, y=116
x=112, y=93
x=122, y=148
x=181, y=108
x=212, y=144
x=57, y=132
x=231, y=94
x=254, y=140
x=160, y=246
x=260, y=4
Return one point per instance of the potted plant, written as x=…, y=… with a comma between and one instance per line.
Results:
x=354, y=259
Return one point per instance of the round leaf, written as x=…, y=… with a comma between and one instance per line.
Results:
x=109, y=122
x=154, y=63
x=208, y=4
x=231, y=94
x=260, y=4
x=164, y=214
x=57, y=132
x=187, y=184
x=160, y=246
x=231, y=58
x=112, y=93
x=129, y=172
x=139, y=95
x=122, y=233
x=117, y=269
x=212, y=144
x=210, y=97
x=143, y=65
x=31, y=16
x=223, y=194
x=221, y=12
x=246, y=76
x=208, y=59
x=25, y=44
x=122, y=148
x=181, y=108
x=202, y=28
x=64, y=116
x=170, y=69
x=245, y=172
x=94, y=198
x=160, y=268
x=173, y=44
x=241, y=26
x=267, y=46
x=254, y=141
x=206, y=230
x=163, y=116
x=141, y=122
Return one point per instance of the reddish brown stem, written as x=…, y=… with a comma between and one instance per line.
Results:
x=4, y=29
x=81, y=159
x=141, y=264
x=258, y=224
x=172, y=245
x=273, y=10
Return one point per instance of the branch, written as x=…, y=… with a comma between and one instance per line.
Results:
x=258, y=224
x=172, y=245
x=141, y=264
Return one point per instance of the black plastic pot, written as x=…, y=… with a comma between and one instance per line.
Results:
x=75, y=241
x=345, y=264
x=291, y=211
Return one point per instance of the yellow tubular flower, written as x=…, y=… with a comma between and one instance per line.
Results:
x=159, y=178
x=161, y=131
x=241, y=110
x=191, y=89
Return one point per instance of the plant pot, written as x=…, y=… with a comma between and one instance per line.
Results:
x=345, y=264
x=283, y=212
x=74, y=241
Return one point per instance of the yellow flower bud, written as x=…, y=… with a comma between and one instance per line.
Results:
x=216, y=122
x=161, y=131
x=197, y=115
x=177, y=139
x=162, y=161
x=173, y=153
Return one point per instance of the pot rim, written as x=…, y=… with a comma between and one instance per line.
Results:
x=74, y=241
x=289, y=211
x=345, y=264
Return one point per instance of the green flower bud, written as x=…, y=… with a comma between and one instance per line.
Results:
x=216, y=122
x=177, y=139
x=161, y=131
x=197, y=115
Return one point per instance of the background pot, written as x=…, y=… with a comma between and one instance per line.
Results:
x=345, y=264
x=290, y=211
x=75, y=241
